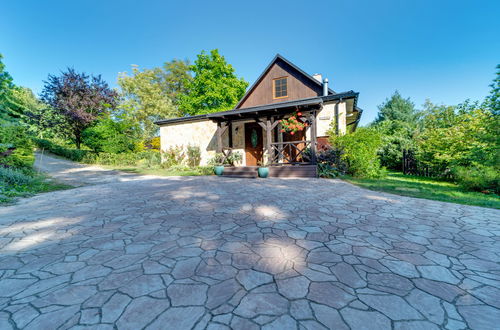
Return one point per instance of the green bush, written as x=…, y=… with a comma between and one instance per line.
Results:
x=193, y=155
x=359, y=151
x=173, y=156
x=16, y=137
x=478, y=178
x=76, y=155
x=112, y=137
x=15, y=177
x=148, y=159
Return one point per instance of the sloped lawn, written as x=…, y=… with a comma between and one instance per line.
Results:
x=428, y=188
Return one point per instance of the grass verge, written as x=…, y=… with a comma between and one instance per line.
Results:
x=428, y=188
x=175, y=171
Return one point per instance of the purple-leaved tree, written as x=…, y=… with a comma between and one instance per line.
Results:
x=77, y=101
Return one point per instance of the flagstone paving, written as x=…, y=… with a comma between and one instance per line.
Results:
x=219, y=253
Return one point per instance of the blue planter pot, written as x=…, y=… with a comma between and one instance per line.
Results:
x=263, y=172
x=218, y=170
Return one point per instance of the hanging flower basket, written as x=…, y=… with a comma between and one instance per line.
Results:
x=293, y=124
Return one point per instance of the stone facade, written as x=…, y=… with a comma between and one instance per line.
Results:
x=202, y=133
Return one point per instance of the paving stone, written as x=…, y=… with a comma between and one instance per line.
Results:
x=361, y=320
x=140, y=312
x=480, y=316
x=392, y=306
x=438, y=273
x=254, y=304
x=329, y=294
x=128, y=246
x=182, y=317
x=329, y=317
x=251, y=278
x=294, y=287
x=112, y=310
x=187, y=294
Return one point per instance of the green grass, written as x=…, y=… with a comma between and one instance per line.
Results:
x=175, y=171
x=38, y=183
x=428, y=188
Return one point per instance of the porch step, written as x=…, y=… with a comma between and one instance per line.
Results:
x=298, y=171
x=240, y=172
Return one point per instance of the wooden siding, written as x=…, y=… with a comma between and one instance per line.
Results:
x=299, y=87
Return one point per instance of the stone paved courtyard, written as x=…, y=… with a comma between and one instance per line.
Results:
x=219, y=253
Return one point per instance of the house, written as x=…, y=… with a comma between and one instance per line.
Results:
x=255, y=127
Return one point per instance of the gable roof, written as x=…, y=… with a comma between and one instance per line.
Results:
x=293, y=66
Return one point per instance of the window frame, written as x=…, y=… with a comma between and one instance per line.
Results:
x=274, y=87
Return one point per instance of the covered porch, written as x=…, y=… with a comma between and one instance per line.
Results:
x=264, y=142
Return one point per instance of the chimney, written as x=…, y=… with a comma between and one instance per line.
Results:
x=325, y=87
x=318, y=77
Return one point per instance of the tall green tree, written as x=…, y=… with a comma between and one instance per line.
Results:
x=176, y=76
x=6, y=86
x=215, y=86
x=494, y=97
x=145, y=99
x=397, y=108
x=78, y=100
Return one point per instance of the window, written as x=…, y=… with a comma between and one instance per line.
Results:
x=280, y=87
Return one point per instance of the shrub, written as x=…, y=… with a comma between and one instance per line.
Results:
x=221, y=159
x=14, y=177
x=193, y=155
x=15, y=138
x=359, y=151
x=172, y=156
x=76, y=155
x=478, y=178
x=112, y=137
x=147, y=159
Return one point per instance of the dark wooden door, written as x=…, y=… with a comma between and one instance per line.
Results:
x=254, y=144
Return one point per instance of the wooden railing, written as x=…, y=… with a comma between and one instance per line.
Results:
x=291, y=152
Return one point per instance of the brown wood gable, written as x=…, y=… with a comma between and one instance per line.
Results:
x=299, y=86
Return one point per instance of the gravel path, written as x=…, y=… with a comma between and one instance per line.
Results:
x=218, y=253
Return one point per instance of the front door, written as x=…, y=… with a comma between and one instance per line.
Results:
x=254, y=144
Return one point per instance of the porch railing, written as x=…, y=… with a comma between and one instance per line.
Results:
x=291, y=152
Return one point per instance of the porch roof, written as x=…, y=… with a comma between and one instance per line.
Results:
x=264, y=110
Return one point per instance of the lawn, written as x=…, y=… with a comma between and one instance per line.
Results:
x=174, y=171
x=428, y=188
x=28, y=186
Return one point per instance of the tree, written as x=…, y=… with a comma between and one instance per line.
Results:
x=176, y=76
x=397, y=108
x=145, y=99
x=77, y=100
x=494, y=97
x=215, y=86
x=6, y=86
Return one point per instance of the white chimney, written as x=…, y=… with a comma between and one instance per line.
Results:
x=325, y=87
x=318, y=77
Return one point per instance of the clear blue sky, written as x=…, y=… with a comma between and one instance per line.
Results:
x=443, y=50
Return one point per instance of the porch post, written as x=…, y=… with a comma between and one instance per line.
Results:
x=220, y=130
x=313, y=136
x=269, y=139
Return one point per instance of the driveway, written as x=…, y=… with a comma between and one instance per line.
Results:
x=218, y=253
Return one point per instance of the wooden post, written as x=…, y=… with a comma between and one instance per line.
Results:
x=221, y=128
x=269, y=139
x=313, y=137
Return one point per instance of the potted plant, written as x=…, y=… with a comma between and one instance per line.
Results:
x=263, y=170
x=218, y=162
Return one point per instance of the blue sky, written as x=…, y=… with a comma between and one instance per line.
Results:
x=442, y=50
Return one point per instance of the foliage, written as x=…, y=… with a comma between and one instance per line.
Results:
x=78, y=100
x=15, y=137
x=193, y=154
x=172, y=156
x=397, y=108
x=145, y=100
x=478, y=177
x=396, y=136
x=112, y=136
x=293, y=124
x=215, y=86
x=154, y=143
x=359, y=151
x=146, y=158
x=429, y=188
x=23, y=182
x=175, y=77
x=458, y=136
x=494, y=97
x=220, y=159
x=76, y=155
